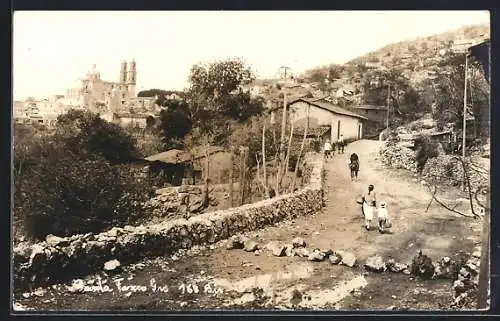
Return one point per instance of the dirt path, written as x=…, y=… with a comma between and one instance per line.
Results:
x=233, y=274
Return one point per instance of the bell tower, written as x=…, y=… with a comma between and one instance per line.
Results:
x=123, y=72
x=131, y=78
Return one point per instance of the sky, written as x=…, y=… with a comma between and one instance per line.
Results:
x=52, y=49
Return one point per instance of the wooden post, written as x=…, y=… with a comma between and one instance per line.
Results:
x=464, y=125
x=243, y=174
x=266, y=185
x=231, y=173
x=288, y=150
x=207, y=174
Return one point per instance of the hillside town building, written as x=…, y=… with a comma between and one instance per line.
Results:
x=91, y=92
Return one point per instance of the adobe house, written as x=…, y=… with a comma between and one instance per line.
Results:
x=323, y=113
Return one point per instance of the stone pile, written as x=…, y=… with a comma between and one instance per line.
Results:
x=179, y=201
x=468, y=278
x=62, y=258
x=397, y=156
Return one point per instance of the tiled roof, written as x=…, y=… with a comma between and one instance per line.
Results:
x=330, y=107
x=314, y=132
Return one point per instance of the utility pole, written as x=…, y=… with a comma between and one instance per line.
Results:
x=283, y=126
x=465, y=108
x=388, y=105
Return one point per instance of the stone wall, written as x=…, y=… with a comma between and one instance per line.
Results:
x=61, y=259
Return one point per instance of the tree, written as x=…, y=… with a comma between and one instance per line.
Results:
x=86, y=133
x=450, y=91
x=69, y=181
x=216, y=97
x=175, y=121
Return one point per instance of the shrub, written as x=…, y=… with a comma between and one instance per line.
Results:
x=70, y=181
x=425, y=148
x=68, y=194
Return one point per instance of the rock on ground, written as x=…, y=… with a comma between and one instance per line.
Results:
x=276, y=248
x=348, y=258
x=375, y=264
x=111, y=265
x=298, y=242
x=251, y=246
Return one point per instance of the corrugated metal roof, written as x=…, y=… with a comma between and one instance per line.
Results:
x=328, y=106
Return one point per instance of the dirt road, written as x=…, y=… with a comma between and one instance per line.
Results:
x=235, y=279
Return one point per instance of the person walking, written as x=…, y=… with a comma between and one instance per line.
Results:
x=327, y=149
x=383, y=216
x=341, y=144
x=369, y=206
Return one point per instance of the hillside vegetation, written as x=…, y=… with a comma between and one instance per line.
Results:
x=415, y=70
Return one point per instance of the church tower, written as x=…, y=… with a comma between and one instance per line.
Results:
x=123, y=73
x=131, y=78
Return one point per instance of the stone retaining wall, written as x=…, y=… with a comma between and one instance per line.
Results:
x=61, y=259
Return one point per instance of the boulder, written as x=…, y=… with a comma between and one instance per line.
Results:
x=375, y=264
x=276, y=248
x=335, y=258
x=317, y=256
x=290, y=250
x=112, y=265
x=53, y=240
x=251, y=246
x=236, y=242
x=298, y=242
x=302, y=252
x=395, y=267
x=422, y=265
x=348, y=258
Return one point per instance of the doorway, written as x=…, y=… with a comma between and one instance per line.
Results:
x=338, y=129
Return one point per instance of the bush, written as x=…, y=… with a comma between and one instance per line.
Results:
x=425, y=148
x=70, y=181
x=68, y=194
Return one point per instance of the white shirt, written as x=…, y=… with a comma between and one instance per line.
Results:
x=382, y=212
x=328, y=146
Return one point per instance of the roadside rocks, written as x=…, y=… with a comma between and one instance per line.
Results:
x=236, y=242
x=375, y=264
x=422, y=266
x=398, y=156
x=395, y=267
x=251, y=246
x=276, y=248
x=302, y=252
x=112, y=266
x=317, y=256
x=298, y=242
x=335, y=258
x=468, y=279
x=347, y=258
x=59, y=259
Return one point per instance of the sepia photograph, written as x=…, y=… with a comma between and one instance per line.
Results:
x=187, y=161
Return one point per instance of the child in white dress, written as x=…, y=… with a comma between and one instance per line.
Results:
x=382, y=215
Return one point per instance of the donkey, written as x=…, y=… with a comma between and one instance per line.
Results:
x=354, y=166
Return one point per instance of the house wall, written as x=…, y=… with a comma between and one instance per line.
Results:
x=318, y=116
